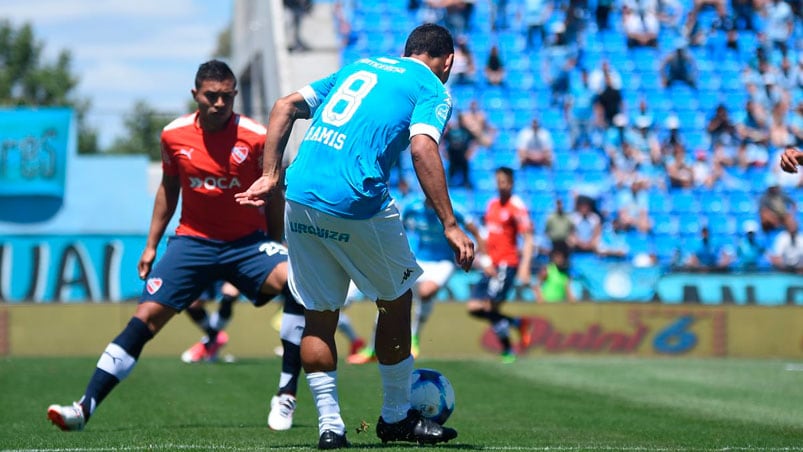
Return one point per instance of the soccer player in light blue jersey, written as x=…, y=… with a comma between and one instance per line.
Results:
x=342, y=223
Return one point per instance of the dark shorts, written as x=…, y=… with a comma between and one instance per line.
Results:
x=191, y=264
x=497, y=288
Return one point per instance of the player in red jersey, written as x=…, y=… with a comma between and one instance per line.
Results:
x=208, y=156
x=506, y=218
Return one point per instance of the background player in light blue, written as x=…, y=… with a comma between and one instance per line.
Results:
x=434, y=255
x=436, y=259
x=363, y=116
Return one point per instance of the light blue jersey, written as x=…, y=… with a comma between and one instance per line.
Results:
x=362, y=117
x=422, y=221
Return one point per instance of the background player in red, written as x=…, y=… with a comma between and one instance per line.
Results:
x=506, y=218
x=207, y=157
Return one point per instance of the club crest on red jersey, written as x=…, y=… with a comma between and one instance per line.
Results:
x=239, y=154
x=153, y=285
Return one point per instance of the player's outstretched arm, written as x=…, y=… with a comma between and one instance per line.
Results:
x=429, y=170
x=790, y=159
x=282, y=116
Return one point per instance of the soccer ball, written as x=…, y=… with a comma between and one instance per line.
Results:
x=432, y=395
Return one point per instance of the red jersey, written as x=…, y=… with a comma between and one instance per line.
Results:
x=504, y=223
x=213, y=167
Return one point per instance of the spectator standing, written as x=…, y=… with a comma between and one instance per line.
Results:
x=558, y=226
x=459, y=143
x=534, y=145
x=579, y=114
x=610, y=99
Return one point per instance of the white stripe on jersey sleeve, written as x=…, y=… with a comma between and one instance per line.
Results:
x=252, y=125
x=311, y=98
x=425, y=129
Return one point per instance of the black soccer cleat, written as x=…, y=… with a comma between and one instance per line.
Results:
x=331, y=440
x=415, y=428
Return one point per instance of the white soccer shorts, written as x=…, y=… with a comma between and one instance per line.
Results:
x=327, y=251
x=437, y=272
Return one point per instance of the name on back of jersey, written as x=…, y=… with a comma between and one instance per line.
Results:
x=325, y=135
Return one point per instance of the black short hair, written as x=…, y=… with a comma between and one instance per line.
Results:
x=432, y=39
x=213, y=70
x=506, y=171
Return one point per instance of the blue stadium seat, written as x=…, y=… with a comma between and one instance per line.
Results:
x=564, y=181
x=723, y=224
x=659, y=202
x=535, y=179
x=639, y=243
x=541, y=201
x=713, y=202
x=684, y=201
x=740, y=202
x=689, y=224
x=665, y=223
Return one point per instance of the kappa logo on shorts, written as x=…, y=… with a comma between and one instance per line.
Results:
x=239, y=154
x=153, y=285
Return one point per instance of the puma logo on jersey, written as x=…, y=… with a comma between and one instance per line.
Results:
x=187, y=153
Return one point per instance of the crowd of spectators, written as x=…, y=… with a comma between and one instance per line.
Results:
x=674, y=96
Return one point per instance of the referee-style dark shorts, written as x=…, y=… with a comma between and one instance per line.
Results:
x=495, y=289
x=191, y=264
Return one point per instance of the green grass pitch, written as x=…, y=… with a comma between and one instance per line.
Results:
x=536, y=404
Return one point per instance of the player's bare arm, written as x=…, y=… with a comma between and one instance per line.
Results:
x=523, y=272
x=429, y=170
x=790, y=159
x=284, y=113
x=164, y=206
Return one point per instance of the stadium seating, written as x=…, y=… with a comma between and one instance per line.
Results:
x=677, y=214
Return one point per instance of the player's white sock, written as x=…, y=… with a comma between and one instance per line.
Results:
x=396, y=382
x=216, y=322
x=323, y=386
